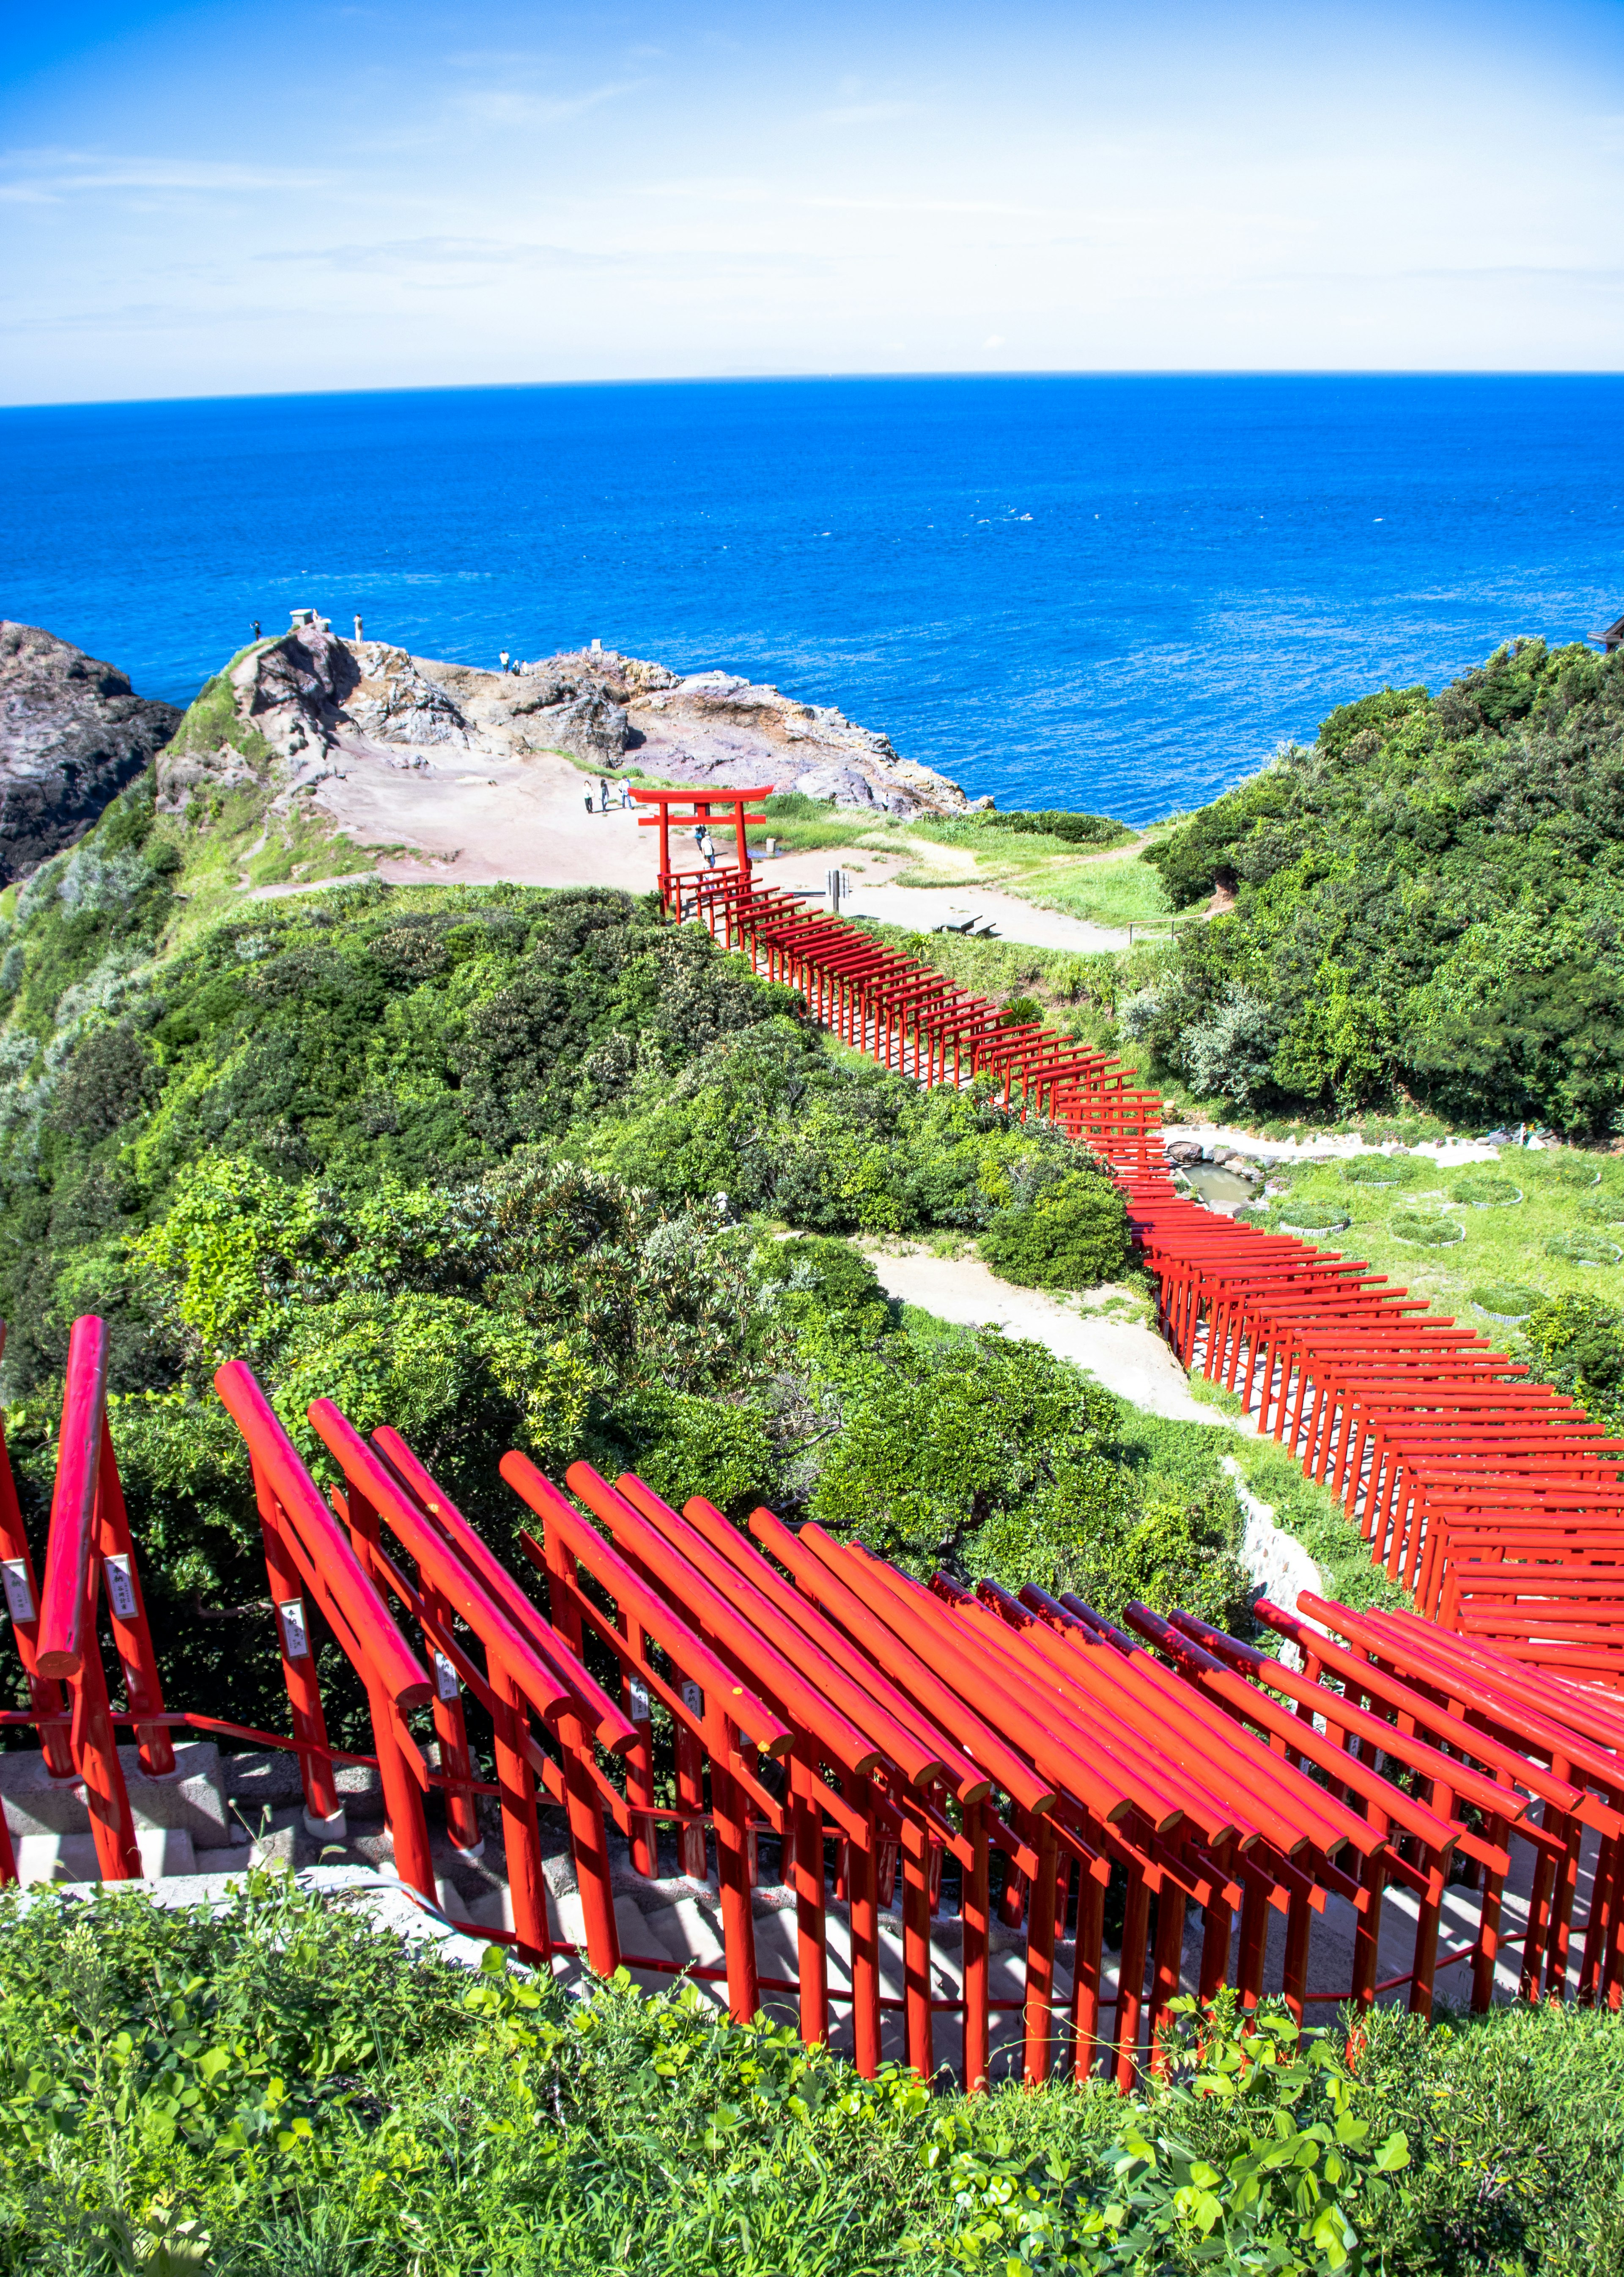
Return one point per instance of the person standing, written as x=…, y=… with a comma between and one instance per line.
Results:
x=602, y=792
x=256, y=628
x=706, y=847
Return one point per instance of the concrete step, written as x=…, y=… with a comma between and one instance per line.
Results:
x=72, y=1857
x=190, y=1800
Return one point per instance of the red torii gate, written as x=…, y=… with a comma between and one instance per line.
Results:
x=697, y=806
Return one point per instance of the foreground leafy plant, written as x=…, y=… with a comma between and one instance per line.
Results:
x=1292, y=2178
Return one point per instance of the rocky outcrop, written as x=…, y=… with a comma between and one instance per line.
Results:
x=714, y=727
x=408, y=707
x=298, y=707
x=73, y=732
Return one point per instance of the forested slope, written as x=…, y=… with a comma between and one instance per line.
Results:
x=1428, y=904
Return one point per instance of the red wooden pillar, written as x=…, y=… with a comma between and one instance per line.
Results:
x=324, y=1815
x=974, y=1914
x=22, y=1600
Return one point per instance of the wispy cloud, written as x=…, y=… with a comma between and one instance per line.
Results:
x=413, y=255
x=512, y=106
x=43, y=175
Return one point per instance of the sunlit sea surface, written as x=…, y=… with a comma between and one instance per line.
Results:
x=1117, y=594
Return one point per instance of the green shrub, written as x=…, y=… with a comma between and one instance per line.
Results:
x=1423, y=901
x=1053, y=822
x=1564, y=1170
x=1576, y=1343
x=1479, y=1191
x=1584, y=1249
x=1507, y=1300
x=1380, y=1169
x=1312, y=1217
x=1426, y=1229
x=1073, y=1234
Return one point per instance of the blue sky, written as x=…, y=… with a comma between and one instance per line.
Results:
x=227, y=199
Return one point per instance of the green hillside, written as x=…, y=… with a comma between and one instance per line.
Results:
x=507, y=1167
x=1428, y=907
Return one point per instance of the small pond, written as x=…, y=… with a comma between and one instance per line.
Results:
x=1218, y=1188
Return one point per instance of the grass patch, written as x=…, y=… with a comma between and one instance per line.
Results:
x=804, y=826
x=1505, y=1300
x=1544, y=1244
x=277, y=2091
x=1106, y=891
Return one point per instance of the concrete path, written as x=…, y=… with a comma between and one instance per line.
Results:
x=1126, y=1357
x=925, y=907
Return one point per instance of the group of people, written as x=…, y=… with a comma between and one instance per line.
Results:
x=702, y=839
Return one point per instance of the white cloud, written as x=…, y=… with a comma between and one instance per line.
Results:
x=1156, y=188
x=514, y=106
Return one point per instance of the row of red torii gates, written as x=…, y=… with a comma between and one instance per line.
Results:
x=934, y=1764
x=1494, y=1498
x=931, y=1763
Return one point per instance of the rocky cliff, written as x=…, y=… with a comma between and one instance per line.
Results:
x=294, y=712
x=73, y=732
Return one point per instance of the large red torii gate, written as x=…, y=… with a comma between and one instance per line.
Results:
x=697, y=806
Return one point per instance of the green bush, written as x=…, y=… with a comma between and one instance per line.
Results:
x=1584, y=1249
x=1426, y=1229
x=1564, y=1170
x=1507, y=1300
x=1312, y=1217
x=1380, y=1169
x=1073, y=1234
x=1577, y=1343
x=1424, y=903
x=274, y=2088
x=1479, y=1191
x=1053, y=822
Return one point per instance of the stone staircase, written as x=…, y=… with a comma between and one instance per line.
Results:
x=205, y=1825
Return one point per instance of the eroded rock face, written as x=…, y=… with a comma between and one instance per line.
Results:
x=410, y=708
x=73, y=732
x=305, y=702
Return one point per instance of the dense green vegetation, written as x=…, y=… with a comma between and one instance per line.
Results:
x=510, y=1167
x=1429, y=905
x=275, y=2090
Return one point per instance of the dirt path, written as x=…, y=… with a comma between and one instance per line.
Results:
x=475, y=816
x=1126, y=1357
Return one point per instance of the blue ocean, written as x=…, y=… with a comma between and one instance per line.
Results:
x=1119, y=594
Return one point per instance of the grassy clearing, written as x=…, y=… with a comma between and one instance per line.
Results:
x=1107, y=890
x=231, y=844
x=1110, y=885
x=804, y=826
x=1503, y=1245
